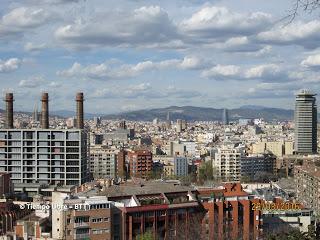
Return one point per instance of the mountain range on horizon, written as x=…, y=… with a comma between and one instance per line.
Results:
x=190, y=113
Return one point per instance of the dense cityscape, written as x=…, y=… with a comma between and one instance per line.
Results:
x=159, y=120
x=79, y=178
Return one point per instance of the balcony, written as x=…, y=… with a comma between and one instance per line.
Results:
x=81, y=224
x=81, y=236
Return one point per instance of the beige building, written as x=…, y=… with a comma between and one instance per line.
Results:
x=83, y=218
x=278, y=148
x=168, y=170
x=307, y=186
x=103, y=162
x=227, y=162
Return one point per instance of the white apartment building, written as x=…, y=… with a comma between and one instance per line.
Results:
x=44, y=156
x=227, y=162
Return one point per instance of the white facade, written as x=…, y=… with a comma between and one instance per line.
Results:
x=190, y=147
x=227, y=162
x=300, y=219
x=44, y=156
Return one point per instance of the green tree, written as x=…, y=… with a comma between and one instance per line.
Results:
x=293, y=234
x=205, y=172
x=245, y=179
x=145, y=236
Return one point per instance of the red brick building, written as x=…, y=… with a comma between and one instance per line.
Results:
x=6, y=186
x=140, y=162
x=230, y=213
x=121, y=164
x=170, y=211
x=9, y=214
x=165, y=211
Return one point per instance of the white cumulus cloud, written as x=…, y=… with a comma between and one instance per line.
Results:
x=9, y=65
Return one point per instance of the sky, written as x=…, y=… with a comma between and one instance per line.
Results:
x=140, y=54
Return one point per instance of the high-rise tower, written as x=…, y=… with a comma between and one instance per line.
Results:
x=35, y=114
x=225, y=117
x=305, y=123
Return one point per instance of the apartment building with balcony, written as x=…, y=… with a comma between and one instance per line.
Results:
x=103, y=162
x=44, y=156
x=254, y=164
x=229, y=213
x=307, y=186
x=140, y=162
x=227, y=162
x=83, y=218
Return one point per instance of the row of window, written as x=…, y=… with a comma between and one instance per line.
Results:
x=41, y=135
x=86, y=219
x=100, y=231
x=98, y=220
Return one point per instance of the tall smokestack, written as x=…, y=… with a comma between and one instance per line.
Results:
x=9, y=110
x=45, y=110
x=79, y=100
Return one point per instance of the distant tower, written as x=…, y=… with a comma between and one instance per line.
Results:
x=168, y=122
x=35, y=114
x=122, y=124
x=97, y=121
x=179, y=126
x=225, y=116
x=305, y=118
x=155, y=121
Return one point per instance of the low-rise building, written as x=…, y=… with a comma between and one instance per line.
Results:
x=81, y=217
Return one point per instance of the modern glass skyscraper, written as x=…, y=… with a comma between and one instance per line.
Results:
x=225, y=116
x=305, y=122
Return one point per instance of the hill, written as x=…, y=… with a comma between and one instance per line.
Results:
x=190, y=113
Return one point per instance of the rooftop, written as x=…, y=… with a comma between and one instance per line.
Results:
x=311, y=169
x=143, y=188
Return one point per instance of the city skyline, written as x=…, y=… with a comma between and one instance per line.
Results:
x=197, y=49
x=169, y=120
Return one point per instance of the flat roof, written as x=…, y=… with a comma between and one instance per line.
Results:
x=145, y=188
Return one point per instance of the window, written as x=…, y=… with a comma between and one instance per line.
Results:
x=3, y=135
x=96, y=220
x=73, y=136
x=58, y=135
x=107, y=219
x=81, y=219
x=43, y=135
x=100, y=231
x=28, y=135
x=99, y=206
